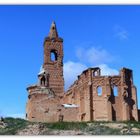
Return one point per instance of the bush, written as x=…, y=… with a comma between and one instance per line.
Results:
x=67, y=125
x=13, y=125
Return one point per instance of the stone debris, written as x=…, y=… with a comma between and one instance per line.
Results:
x=35, y=129
x=135, y=130
x=115, y=125
x=38, y=129
x=91, y=129
x=125, y=130
x=66, y=132
x=2, y=123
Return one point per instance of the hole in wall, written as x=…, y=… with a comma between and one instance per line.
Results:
x=115, y=91
x=95, y=73
x=99, y=90
x=53, y=56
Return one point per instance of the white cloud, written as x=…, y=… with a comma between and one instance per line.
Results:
x=93, y=55
x=120, y=32
x=88, y=57
x=71, y=71
x=123, y=34
x=19, y=115
x=106, y=70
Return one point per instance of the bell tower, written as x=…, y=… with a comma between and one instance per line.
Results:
x=53, y=60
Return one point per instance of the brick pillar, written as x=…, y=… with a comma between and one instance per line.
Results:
x=87, y=104
x=135, y=106
x=125, y=115
x=109, y=110
x=108, y=94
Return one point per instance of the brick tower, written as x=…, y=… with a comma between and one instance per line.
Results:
x=53, y=60
x=44, y=99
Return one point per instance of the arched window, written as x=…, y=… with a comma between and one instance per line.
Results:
x=53, y=55
x=99, y=91
x=95, y=73
x=115, y=91
x=43, y=80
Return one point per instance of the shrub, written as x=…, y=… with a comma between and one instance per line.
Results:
x=67, y=125
x=13, y=125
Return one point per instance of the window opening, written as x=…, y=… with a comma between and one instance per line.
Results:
x=99, y=91
x=115, y=91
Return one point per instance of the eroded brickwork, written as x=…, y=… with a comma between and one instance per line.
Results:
x=108, y=98
x=53, y=60
x=91, y=97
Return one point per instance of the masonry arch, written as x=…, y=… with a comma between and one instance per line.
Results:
x=53, y=55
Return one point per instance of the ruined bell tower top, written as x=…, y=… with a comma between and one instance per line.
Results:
x=53, y=31
x=53, y=34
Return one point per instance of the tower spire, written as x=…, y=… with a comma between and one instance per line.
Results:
x=53, y=31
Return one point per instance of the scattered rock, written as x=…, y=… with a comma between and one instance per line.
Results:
x=92, y=129
x=101, y=124
x=115, y=125
x=65, y=132
x=124, y=131
x=41, y=126
x=89, y=124
x=40, y=129
x=2, y=123
x=135, y=130
x=35, y=129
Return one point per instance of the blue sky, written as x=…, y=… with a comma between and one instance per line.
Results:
x=105, y=36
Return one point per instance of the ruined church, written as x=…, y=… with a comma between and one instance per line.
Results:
x=91, y=97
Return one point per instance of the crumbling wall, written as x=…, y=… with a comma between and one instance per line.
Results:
x=69, y=114
x=116, y=101
x=42, y=107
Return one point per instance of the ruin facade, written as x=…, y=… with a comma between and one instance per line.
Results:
x=92, y=97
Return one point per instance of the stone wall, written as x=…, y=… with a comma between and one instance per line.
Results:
x=104, y=97
x=43, y=105
x=69, y=114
